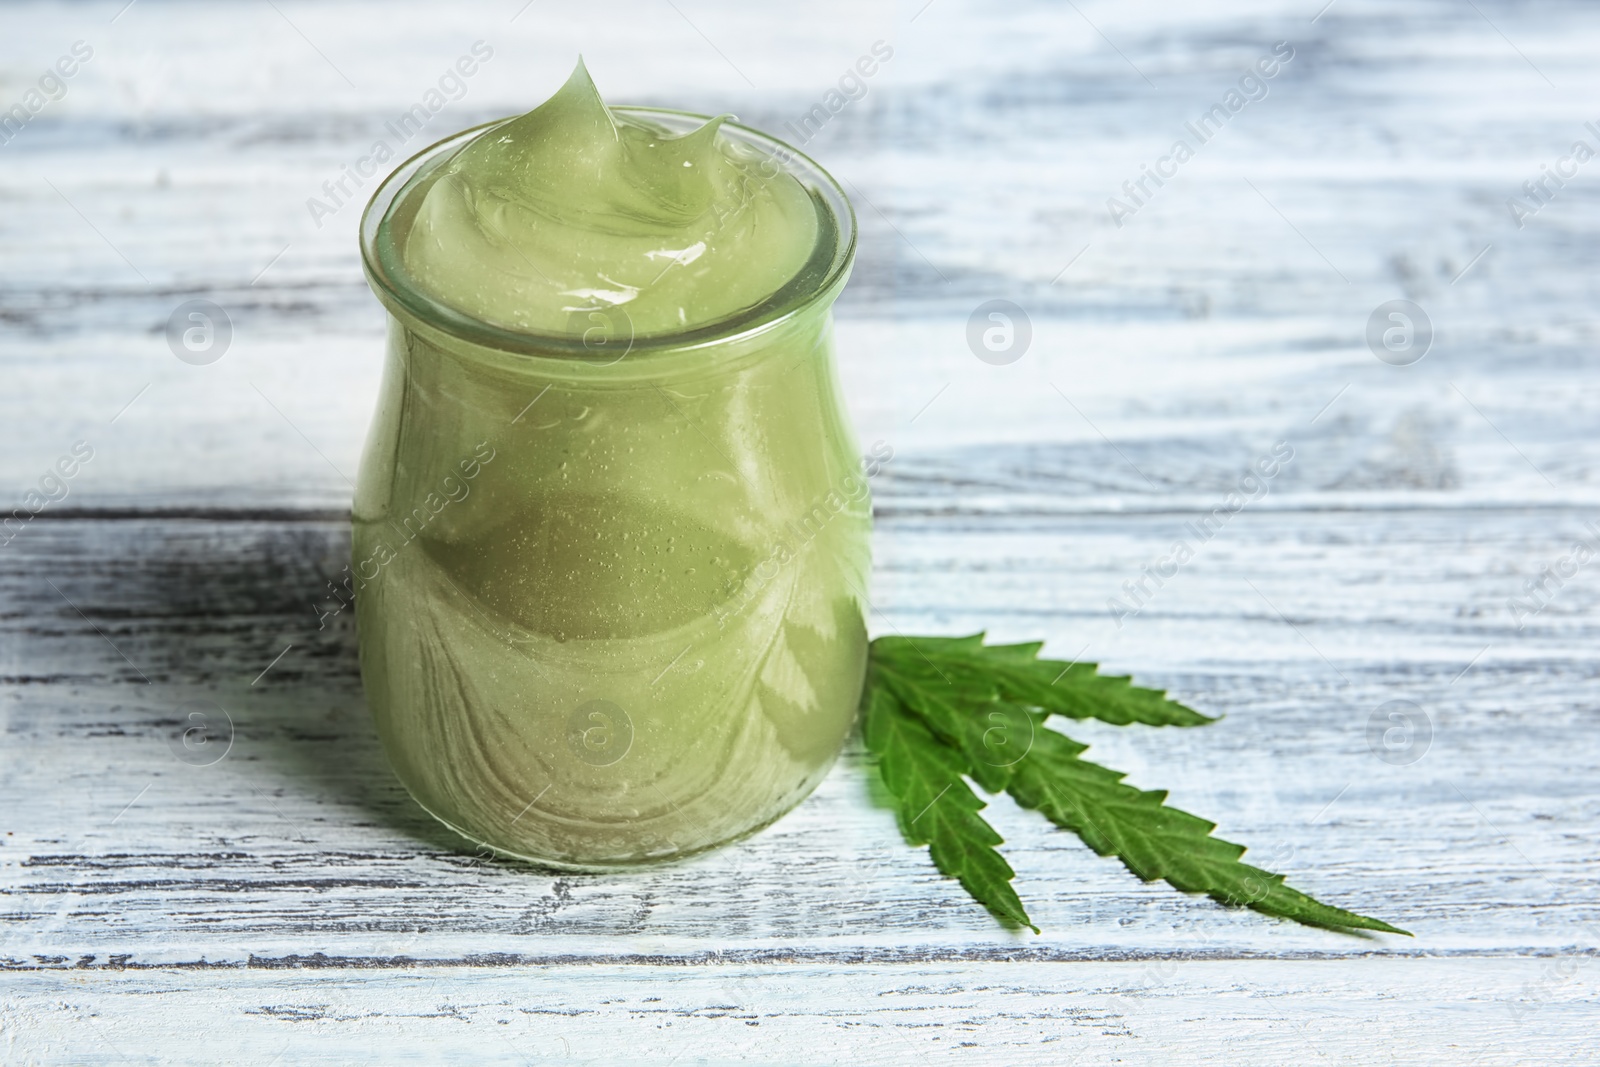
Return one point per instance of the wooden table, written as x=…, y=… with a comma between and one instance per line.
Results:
x=289, y=904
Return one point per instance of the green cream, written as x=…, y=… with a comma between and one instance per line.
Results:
x=611, y=527
x=573, y=207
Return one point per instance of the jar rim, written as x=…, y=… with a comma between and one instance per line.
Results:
x=401, y=295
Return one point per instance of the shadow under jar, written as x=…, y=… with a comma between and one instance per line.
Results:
x=611, y=588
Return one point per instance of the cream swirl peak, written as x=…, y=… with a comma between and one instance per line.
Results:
x=543, y=219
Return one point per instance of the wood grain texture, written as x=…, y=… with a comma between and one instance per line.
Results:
x=289, y=900
x=1272, y=1013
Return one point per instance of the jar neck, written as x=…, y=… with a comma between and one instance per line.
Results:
x=602, y=367
x=394, y=206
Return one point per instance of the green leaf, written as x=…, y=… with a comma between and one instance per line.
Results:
x=940, y=708
x=990, y=735
x=1156, y=841
x=963, y=672
x=934, y=805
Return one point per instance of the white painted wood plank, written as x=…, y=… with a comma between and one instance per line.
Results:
x=1477, y=1013
x=1226, y=315
x=1391, y=142
x=300, y=841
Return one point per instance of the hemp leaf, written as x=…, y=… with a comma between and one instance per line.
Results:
x=1155, y=841
x=935, y=807
x=1013, y=672
x=938, y=710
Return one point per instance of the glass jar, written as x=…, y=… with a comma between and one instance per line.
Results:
x=611, y=589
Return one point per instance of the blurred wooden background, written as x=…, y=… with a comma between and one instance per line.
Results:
x=290, y=901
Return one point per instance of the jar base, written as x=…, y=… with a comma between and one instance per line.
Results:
x=612, y=866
